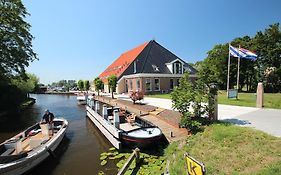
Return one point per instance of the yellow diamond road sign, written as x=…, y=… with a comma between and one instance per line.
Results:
x=194, y=167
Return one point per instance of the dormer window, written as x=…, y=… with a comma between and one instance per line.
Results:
x=176, y=66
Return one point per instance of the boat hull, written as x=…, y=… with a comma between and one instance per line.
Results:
x=35, y=157
x=133, y=141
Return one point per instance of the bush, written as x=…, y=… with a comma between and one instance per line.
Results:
x=187, y=121
x=136, y=95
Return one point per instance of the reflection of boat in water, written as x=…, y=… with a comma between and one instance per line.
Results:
x=30, y=147
x=122, y=128
x=81, y=98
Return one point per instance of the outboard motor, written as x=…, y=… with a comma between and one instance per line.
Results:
x=104, y=112
x=116, y=119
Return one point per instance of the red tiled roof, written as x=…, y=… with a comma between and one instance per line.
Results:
x=122, y=63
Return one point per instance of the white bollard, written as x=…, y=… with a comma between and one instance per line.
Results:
x=104, y=111
x=97, y=106
x=116, y=119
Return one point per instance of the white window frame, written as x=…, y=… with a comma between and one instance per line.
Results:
x=138, y=84
x=155, y=84
x=150, y=87
x=135, y=67
x=131, y=84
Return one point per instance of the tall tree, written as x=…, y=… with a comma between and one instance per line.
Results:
x=268, y=48
x=16, y=39
x=81, y=85
x=98, y=84
x=112, y=83
x=86, y=85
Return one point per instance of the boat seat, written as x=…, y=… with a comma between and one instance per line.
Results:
x=8, y=152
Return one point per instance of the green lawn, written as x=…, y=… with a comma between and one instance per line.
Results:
x=228, y=149
x=245, y=99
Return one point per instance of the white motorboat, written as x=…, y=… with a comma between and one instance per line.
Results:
x=30, y=147
x=82, y=98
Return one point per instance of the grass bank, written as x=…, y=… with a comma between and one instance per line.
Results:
x=245, y=99
x=228, y=149
x=28, y=102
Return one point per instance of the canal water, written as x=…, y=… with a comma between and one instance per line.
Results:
x=79, y=152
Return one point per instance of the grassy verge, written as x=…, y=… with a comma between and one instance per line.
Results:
x=228, y=149
x=245, y=99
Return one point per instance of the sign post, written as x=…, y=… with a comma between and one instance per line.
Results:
x=193, y=166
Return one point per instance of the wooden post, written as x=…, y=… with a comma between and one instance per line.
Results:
x=260, y=98
x=136, y=155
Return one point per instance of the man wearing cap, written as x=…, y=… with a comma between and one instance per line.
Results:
x=48, y=117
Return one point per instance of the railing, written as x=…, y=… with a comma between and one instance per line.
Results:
x=134, y=155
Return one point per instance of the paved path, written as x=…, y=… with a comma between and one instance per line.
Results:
x=267, y=120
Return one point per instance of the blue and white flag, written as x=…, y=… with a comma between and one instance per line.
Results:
x=242, y=53
x=233, y=51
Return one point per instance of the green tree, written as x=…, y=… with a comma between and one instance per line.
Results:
x=112, y=83
x=188, y=98
x=86, y=85
x=81, y=85
x=16, y=40
x=98, y=85
x=26, y=85
x=268, y=47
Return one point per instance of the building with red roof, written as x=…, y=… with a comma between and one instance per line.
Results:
x=149, y=68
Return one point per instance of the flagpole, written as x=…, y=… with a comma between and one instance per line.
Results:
x=238, y=67
x=228, y=70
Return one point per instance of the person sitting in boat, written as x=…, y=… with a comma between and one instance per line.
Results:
x=48, y=117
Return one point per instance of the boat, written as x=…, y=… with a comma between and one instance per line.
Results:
x=30, y=147
x=125, y=128
x=82, y=98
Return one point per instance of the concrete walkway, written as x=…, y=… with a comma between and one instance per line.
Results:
x=267, y=120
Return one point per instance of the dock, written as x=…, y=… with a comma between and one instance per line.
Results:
x=166, y=120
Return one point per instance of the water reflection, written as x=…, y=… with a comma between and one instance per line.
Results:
x=80, y=150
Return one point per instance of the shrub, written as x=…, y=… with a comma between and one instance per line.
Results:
x=136, y=95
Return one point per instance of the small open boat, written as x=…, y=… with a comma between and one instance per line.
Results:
x=30, y=147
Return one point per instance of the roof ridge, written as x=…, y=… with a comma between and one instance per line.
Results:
x=145, y=59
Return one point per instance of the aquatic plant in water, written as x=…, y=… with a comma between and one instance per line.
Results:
x=149, y=164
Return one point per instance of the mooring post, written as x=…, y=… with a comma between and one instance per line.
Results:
x=137, y=154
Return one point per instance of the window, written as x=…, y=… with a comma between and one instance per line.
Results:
x=126, y=85
x=156, y=84
x=178, y=68
x=148, y=84
x=131, y=84
x=135, y=67
x=171, y=84
x=138, y=84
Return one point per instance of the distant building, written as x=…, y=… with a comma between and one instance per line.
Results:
x=149, y=68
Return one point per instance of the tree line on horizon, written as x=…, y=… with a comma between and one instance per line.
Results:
x=266, y=68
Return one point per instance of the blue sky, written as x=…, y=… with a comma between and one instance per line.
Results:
x=79, y=39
